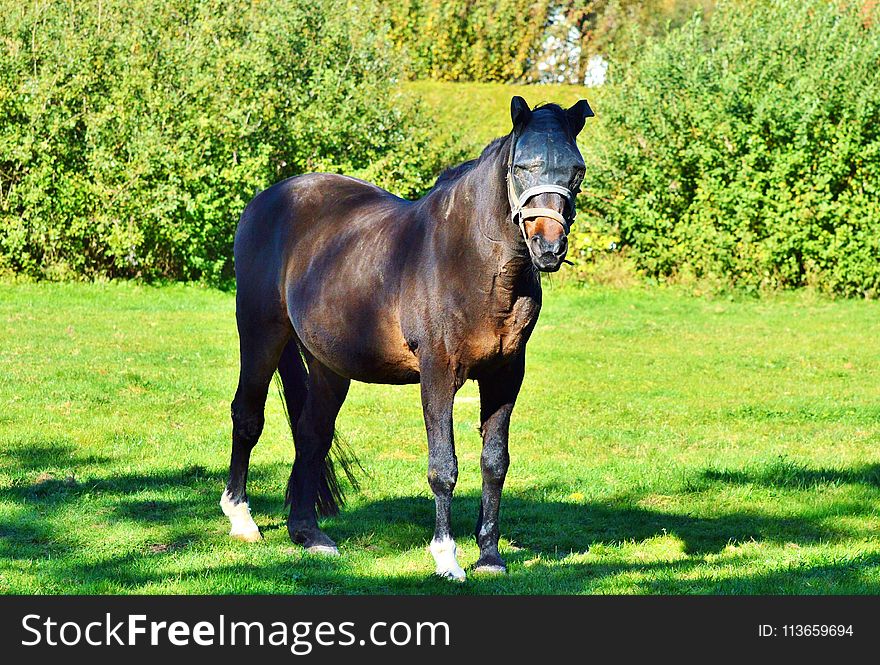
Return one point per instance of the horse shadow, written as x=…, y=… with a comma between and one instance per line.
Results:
x=557, y=528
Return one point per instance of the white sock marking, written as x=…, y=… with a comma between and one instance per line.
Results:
x=443, y=552
x=239, y=514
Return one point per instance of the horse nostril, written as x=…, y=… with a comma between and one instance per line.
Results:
x=558, y=246
x=542, y=246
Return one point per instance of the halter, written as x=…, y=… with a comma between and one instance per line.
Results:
x=519, y=214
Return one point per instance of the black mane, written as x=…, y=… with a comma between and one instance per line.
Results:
x=550, y=106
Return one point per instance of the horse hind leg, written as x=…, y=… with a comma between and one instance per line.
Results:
x=259, y=358
x=312, y=483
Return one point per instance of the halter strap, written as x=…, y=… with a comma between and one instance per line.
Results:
x=530, y=213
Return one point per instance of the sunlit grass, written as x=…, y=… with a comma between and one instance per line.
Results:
x=662, y=444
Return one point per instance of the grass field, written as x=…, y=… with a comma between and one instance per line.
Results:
x=663, y=444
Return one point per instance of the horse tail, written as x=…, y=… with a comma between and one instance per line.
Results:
x=292, y=381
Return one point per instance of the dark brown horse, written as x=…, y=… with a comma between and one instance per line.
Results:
x=340, y=280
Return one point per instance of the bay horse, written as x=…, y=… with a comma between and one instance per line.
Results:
x=339, y=280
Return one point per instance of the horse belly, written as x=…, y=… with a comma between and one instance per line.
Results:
x=368, y=354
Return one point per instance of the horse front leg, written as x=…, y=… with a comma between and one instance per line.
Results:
x=498, y=394
x=439, y=385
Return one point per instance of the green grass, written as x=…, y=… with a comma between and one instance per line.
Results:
x=662, y=444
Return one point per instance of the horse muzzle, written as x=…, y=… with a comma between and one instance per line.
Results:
x=547, y=249
x=545, y=230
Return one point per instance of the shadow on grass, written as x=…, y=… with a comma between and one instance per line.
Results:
x=177, y=499
x=185, y=502
x=552, y=527
x=805, y=414
x=303, y=574
x=789, y=474
x=47, y=456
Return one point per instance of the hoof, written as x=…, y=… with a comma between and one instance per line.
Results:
x=455, y=576
x=314, y=541
x=443, y=552
x=491, y=564
x=323, y=550
x=247, y=536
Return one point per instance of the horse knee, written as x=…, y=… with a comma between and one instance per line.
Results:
x=442, y=477
x=247, y=425
x=494, y=463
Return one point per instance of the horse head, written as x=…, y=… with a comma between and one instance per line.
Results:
x=544, y=174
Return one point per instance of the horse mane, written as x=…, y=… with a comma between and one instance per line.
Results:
x=550, y=106
x=454, y=173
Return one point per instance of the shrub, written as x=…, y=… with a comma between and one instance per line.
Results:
x=517, y=40
x=132, y=134
x=462, y=40
x=747, y=148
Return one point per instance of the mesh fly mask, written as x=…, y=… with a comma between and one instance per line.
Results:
x=543, y=159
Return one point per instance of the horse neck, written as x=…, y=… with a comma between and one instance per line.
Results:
x=476, y=211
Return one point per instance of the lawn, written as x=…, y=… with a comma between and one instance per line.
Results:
x=663, y=443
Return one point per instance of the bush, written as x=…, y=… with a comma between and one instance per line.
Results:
x=547, y=41
x=462, y=40
x=132, y=134
x=747, y=148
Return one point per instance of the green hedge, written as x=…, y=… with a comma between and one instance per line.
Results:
x=132, y=134
x=746, y=149
x=506, y=40
x=463, y=40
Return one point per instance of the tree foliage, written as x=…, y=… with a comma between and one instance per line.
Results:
x=462, y=40
x=518, y=40
x=132, y=134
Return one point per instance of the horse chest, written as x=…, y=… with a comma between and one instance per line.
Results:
x=504, y=332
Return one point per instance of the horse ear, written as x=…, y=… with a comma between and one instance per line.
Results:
x=577, y=116
x=519, y=112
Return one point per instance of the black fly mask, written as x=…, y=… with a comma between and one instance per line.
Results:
x=544, y=158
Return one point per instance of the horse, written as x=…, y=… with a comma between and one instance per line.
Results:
x=340, y=280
